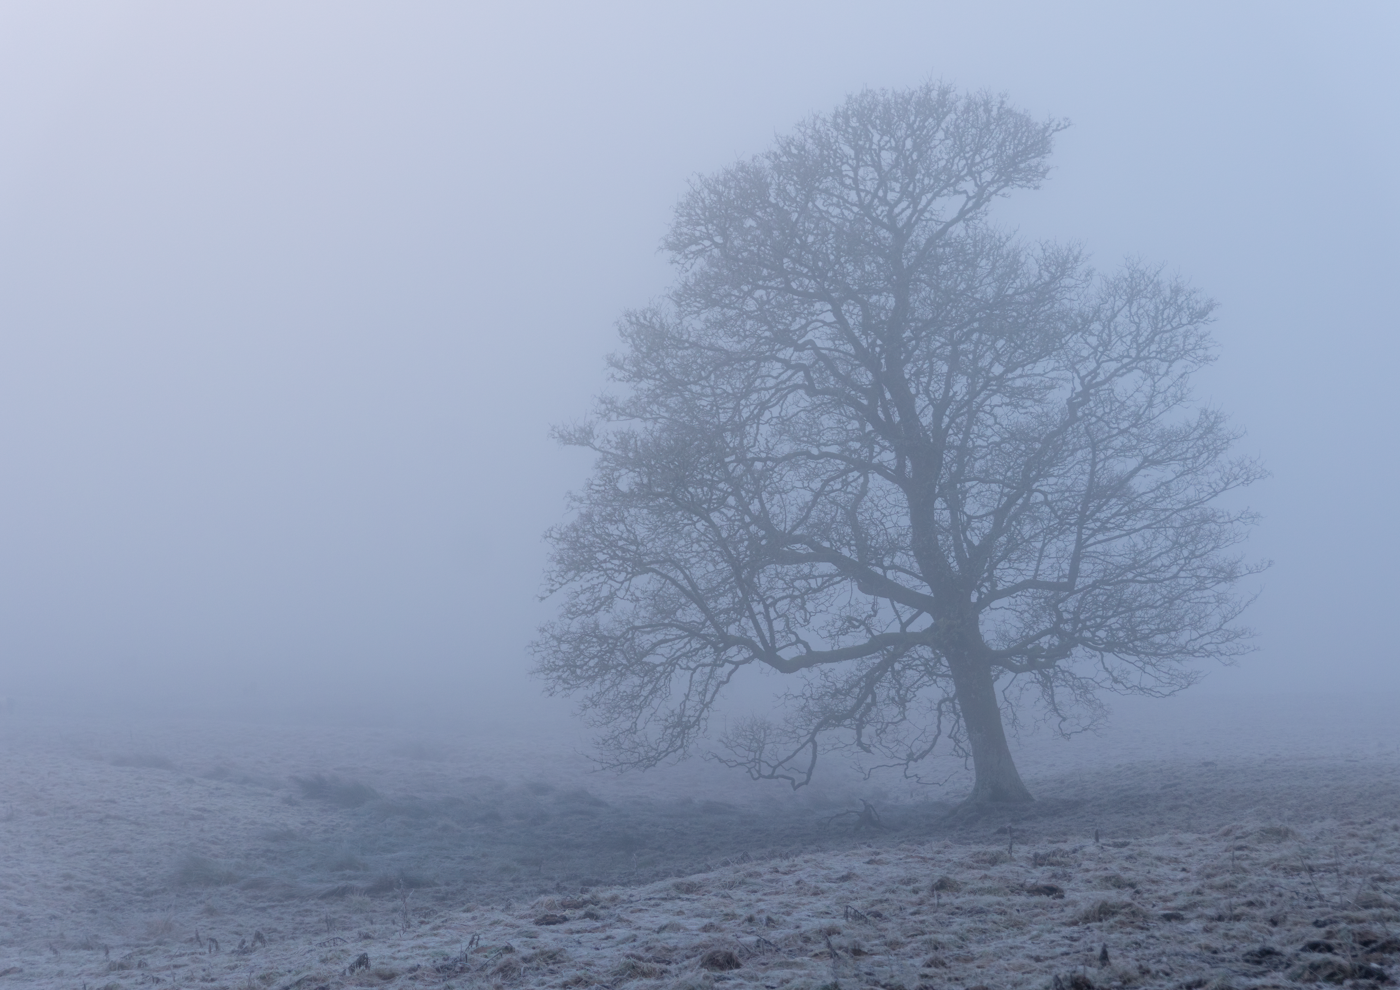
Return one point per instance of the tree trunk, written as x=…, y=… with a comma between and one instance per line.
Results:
x=995, y=776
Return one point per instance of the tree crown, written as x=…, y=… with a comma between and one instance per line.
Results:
x=872, y=441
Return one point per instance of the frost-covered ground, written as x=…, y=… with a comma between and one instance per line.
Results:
x=1197, y=842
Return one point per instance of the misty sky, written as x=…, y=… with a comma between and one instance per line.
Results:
x=290, y=295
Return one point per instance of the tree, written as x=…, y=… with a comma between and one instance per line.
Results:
x=871, y=441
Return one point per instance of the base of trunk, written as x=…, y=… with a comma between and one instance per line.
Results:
x=996, y=781
x=1004, y=791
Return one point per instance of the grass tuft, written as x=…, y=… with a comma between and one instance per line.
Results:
x=199, y=871
x=1110, y=911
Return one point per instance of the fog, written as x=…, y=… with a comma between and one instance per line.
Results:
x=291, y=295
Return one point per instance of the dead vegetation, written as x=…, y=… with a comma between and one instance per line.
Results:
x=200, y=871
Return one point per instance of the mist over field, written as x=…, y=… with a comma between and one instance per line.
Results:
x=291, y=298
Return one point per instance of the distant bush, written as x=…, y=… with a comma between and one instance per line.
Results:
x=333, y=790
x=227, y=775
x=149, y=760
x=579, y=796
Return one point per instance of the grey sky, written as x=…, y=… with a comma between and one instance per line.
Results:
x=291, y=294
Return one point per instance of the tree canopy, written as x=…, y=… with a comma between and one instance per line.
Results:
x=872, y=441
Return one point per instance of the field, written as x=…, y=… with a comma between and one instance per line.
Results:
x=1194, y=844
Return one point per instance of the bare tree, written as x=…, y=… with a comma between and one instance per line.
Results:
x=871, y=441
